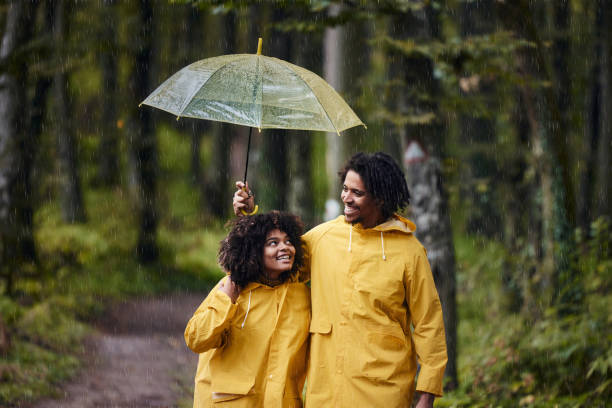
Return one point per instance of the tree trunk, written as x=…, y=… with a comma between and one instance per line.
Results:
x=419, y=80
x=192, y=35
x=395, y=137
x=355, y=65
x=429, y=210
x=519, y=16
x=29, y=144
x=108, y=151
x=16, y=239
x=603, y=202
x=301, y=194
x=333, y=46
x=478, y=132
x=71, y=196
x=143, y=140
x=593, y=126
x=218, y=189
x=275, y=147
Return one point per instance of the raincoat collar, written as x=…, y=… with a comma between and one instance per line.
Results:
x=395, y=223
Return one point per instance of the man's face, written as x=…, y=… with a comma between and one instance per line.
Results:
x=359, y=205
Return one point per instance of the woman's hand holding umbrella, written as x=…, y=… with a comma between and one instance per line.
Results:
x=244, y=200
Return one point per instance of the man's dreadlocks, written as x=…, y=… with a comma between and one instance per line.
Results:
x=383, y=179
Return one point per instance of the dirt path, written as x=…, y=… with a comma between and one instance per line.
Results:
x=139, y=358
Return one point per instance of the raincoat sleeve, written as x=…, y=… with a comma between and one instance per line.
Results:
x=208, y=326
x=426, y=314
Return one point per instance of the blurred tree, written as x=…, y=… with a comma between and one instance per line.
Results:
x=308, y=54
x=421, y=115
x=333, y=73
x=603, y=174
x=567, y=288
x=16, y=239
x=194, y=33
x=108, y=150
x=355, y=64
x=218, y=184
x=274, y=169
x=594, y=125
x=38, y=107
x=73, y=209
x=143, y=146
x=478, y=132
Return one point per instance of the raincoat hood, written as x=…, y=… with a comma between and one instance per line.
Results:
x=396, y=223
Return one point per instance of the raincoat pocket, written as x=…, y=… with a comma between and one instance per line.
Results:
x=226, y=389
x=230, y=377
x=385, y=355
x=320, y=326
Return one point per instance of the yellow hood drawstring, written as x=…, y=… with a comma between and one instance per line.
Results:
x=382, y=243
x=248, y=308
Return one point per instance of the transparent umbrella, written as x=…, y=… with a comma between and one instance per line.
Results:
x=256, y=91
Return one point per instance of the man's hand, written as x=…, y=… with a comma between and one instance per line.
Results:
x=230, y=289
x=426, y=400
x=243, y=199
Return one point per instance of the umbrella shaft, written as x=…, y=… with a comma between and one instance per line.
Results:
x=246, y=167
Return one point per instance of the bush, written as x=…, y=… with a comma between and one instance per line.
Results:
x=553, y=360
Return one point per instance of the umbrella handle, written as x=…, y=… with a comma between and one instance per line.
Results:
x=252, y=212
x=254, y=209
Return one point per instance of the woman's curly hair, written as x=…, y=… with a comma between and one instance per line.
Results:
x=241, y=252
x=383, y=179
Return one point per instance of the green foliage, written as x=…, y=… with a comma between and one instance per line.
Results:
x=518, y=360
x=31, y=370
x=52, y=324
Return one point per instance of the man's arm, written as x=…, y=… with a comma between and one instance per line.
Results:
x=426, y=316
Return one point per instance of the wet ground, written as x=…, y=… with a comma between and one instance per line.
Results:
x=138, y=359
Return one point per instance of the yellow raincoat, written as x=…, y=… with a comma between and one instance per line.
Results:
x=252, y=353
x=368, y=287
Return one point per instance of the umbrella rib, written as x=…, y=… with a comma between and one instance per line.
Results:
x=311, y=90
x=189, y=100
x=260, y=119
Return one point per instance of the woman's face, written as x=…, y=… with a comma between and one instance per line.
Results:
x=278, y=254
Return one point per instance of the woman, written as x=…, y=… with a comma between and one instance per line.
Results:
x=252, y=329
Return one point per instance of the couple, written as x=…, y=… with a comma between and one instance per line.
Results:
x=371, y=311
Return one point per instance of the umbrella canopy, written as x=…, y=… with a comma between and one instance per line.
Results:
x=254, y=90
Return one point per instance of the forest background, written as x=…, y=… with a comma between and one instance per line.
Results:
x=511, y=101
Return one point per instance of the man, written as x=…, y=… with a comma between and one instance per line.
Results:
x=375, y=308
